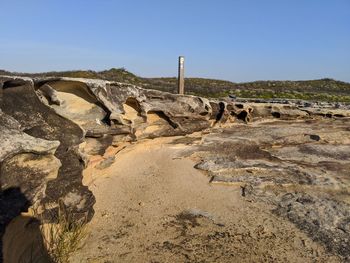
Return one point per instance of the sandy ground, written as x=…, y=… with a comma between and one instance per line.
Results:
x=152, y=205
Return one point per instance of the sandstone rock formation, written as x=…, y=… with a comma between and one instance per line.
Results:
x=50, y=128
x=300, y=168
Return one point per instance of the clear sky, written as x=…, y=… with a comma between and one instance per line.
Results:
x=237, y=40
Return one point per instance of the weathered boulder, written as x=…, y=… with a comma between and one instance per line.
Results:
x=103, y=107
x=327, y=112
x=295, y=109
x=15, y=141
x=281, y=111
x=226, y=111
x=35, y=119
x=74, y=101
x=30, y=172
x=27, y=164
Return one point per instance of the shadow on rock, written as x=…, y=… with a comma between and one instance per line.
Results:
x=20, y=236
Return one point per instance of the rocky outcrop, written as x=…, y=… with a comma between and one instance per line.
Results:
x=56, y=115
x=296, y=109
x=51, y=127
x=17, y=147
x=40, y=121
x=27, y=164
x=39, y=160
x=301, y=169
x=102, y=107
x=112, y=113
x=14, y=141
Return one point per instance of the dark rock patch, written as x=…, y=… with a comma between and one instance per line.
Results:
x=276, y=114
x=315, y=137
x=325, y=220
x=40, y=121
x=105, y=163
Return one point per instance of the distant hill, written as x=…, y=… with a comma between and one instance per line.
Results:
x=322, y=89
x=114, y=74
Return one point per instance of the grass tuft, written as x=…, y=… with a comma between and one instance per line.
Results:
x=65, y=236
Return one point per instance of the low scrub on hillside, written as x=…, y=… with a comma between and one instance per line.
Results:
x=322, y=89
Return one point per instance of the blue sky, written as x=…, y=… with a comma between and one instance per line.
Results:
x=241, y=40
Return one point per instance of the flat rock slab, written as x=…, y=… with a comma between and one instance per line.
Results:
x=280, y=163
x=153, y=206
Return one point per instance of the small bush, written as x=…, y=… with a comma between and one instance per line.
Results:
x=64, y=237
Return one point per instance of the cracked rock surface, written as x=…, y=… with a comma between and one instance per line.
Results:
x=301, y=168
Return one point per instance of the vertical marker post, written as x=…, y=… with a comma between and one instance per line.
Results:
x=181, y=75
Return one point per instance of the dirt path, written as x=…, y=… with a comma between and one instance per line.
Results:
x=153, y=206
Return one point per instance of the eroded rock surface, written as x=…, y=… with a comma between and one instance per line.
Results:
x=21, y=102
x=293, y=157
x=167, y=211
x=302, y=168
x=39, y=161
